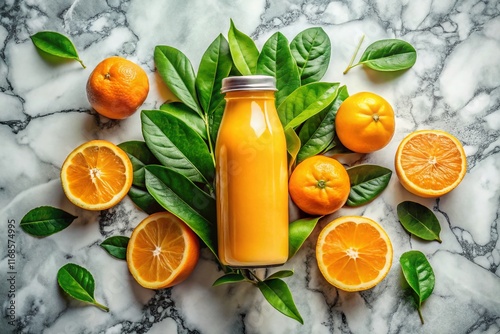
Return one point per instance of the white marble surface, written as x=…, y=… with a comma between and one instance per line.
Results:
x=44, y=114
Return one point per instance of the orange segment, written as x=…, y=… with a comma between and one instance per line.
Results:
x=96, y=175
x=354, y=253
x=162, y=251
x=430, y=163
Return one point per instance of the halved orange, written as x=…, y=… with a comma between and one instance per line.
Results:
x=354, y=253
x=162, y=251
x=96, y=175
x=430, y=163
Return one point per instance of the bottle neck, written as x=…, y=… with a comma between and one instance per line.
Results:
x=250, y=94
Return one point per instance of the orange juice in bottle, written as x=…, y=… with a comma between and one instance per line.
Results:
x=251, y=176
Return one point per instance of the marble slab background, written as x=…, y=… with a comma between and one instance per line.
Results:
x=44, y=114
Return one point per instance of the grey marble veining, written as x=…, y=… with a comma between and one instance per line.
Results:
x=44, y=114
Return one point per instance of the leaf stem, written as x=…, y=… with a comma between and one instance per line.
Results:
x=102, y=307
x=420, y=315
x=81, y=62
x=354, y=55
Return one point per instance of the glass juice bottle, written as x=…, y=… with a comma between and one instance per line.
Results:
x=251, y=176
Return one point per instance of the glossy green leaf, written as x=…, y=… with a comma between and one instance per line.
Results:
x=418, y=273
x=116, y=246
x=419, y=220
x=177, y=146
x=229, y=278
x=276, y=60
x=311, y=49
x=367, y=182
x=280, y=274
x=292, y=147
x=184, y=199
x=78, y=283
x=279, y=296
x=140, y=156
x=389, y=55
x=215, y=65
x=243, y=51
x=45, y=220
x=305, y=102
x=144, y=201
x=214, y=120
x=317, y=133
x=187, y=115
x=298, y=232
x=177, y=73
x=56, y=44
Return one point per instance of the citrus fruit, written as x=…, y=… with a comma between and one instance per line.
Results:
x=162, y=251
x=319, y=185
x=365, y=122
x=430, y=163
x=117, y=87
x=354, y=253
x=96, y=175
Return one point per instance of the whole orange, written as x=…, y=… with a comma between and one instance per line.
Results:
x=365, y=122
x=117, y=87
x=319, y=185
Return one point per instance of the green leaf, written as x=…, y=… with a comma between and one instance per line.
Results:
x=292, y=147
x=214, y=120
x=229, y=278
x=78, y=283
x=280, y=274
x=144, y=201
x=298, y=232
x=215, y=65
x=279, y=296
x=317, y=133
x=116, y=246
x=45, y=220
x=389, y=55
x=305, y=102
x=419, y=220
x=419, y=275
x=56, y=44
x=177, y=73
x=311, y=49
x=177, y=146
x=276, y=60
x=187, y=115
x=243, y=51
x=367, y=182
x=140, y=156
x=184, y=199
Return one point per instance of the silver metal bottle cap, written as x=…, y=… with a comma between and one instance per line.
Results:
x=248, y=82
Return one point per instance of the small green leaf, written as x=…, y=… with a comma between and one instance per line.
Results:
x=45, y=220
x=292, y=147
x=56, y=44
x=276, y=60
x=184, y=199
x=311, y=49
x=187, y=115
x=177, y=146
x=367, y=182
x=243, y=51
x=280, y=274
x=177, y=73
x=419, y=220
x=419, y=275
x=140, y=156
x=305, y=102
x=279, y=296
x=144, y=201
x=215, y=65
x=78, y=283
x=389, y=55
x=317, y=133
x=298, y=232
x=229, y=278
x=116, y=246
